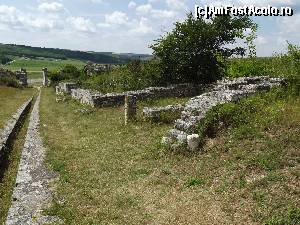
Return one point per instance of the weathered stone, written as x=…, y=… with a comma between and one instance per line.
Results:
x=193, y=142
x=31, y=194
x=97, y=99
x=156, y=112
x=45, y=77
x=130, y=108
x=223, y=91
x=8, y=133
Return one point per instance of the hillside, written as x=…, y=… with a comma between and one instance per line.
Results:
x=34, y=52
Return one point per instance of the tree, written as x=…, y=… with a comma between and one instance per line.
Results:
x=195, y=50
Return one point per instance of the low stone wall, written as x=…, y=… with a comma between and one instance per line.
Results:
x=224, y=91
x=154, y=114
x=65, y=88
x=8, y=133
x=97, y=99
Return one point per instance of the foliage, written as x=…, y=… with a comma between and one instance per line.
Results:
x=133, y=76
x=283, y=65
x=196, y=49
x=4, y=59
x=69, y=72
x=34, y=52
x=9, y=82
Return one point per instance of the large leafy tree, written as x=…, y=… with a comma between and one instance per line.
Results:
x=195, y=50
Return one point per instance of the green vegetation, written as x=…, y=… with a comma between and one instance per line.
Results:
x=195, y=50
x=136, y=75
x=34, y=52
x=287, y=65
x=9, y=82
x=10, y=100
x=34, y=66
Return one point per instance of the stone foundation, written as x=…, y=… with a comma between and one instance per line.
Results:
x=97, y=99
x=222, y=92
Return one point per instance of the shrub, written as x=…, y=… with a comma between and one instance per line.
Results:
x=10, y=82
x=195, y=50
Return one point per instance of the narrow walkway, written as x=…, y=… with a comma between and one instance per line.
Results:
x=31, y=193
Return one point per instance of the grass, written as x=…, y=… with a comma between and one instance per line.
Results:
x=112, y=174
x=10, y=100
x=34, y=66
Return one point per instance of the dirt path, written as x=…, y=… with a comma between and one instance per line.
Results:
x=31, y=193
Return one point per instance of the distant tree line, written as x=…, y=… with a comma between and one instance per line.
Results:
x=34, y=52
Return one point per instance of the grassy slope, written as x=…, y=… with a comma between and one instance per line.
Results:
x=10, y=100
x=111, y=174
x=34, y=66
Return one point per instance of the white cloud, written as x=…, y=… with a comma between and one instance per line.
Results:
x=9, y=15
x=290, y=24
x=51, y=7
x=147, y=9
x=131, y=4
x=144, y=9
x=250, y=2
x=177, y=4
x=82, y=24
x=142, y=28
x=97, y=1
x=261, y=40
x=117, y=17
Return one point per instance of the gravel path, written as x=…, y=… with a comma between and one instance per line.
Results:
x=31, y=193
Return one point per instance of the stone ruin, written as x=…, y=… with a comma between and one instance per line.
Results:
x=130, y=108
x=45, y=77
x=192, y=112
x=97, y=99
x=93, y=68
x=20, y=76
x=223, y=91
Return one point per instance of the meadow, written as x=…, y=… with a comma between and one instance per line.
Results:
x=34, y=66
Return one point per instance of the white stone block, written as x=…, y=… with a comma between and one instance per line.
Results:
x=193, y=141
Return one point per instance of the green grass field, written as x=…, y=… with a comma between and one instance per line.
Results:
x=10, y=100
x=116, y=174
x=34, y=66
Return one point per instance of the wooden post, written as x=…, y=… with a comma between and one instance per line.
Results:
x=130, y=108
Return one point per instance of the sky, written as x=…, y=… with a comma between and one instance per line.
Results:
x=125, y=25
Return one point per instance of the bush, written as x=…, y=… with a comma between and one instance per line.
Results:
x=133, y=76
x=69, y=72
x=195, y=51
x=9, y=82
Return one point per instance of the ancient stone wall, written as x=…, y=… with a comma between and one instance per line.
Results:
x=21, y=75
x=97, y=99
x=222, y=92
x=8, y=133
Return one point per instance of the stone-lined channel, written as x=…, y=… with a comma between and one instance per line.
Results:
x=31, y=193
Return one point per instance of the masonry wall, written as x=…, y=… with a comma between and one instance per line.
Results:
x=97, y=99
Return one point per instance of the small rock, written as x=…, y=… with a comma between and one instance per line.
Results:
x=193, y=141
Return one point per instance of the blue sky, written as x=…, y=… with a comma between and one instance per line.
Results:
x=124, y=25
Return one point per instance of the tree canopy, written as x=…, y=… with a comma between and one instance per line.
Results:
x=194, y=51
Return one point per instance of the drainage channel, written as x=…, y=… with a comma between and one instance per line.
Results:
x=12, y=139
x=31, y=193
